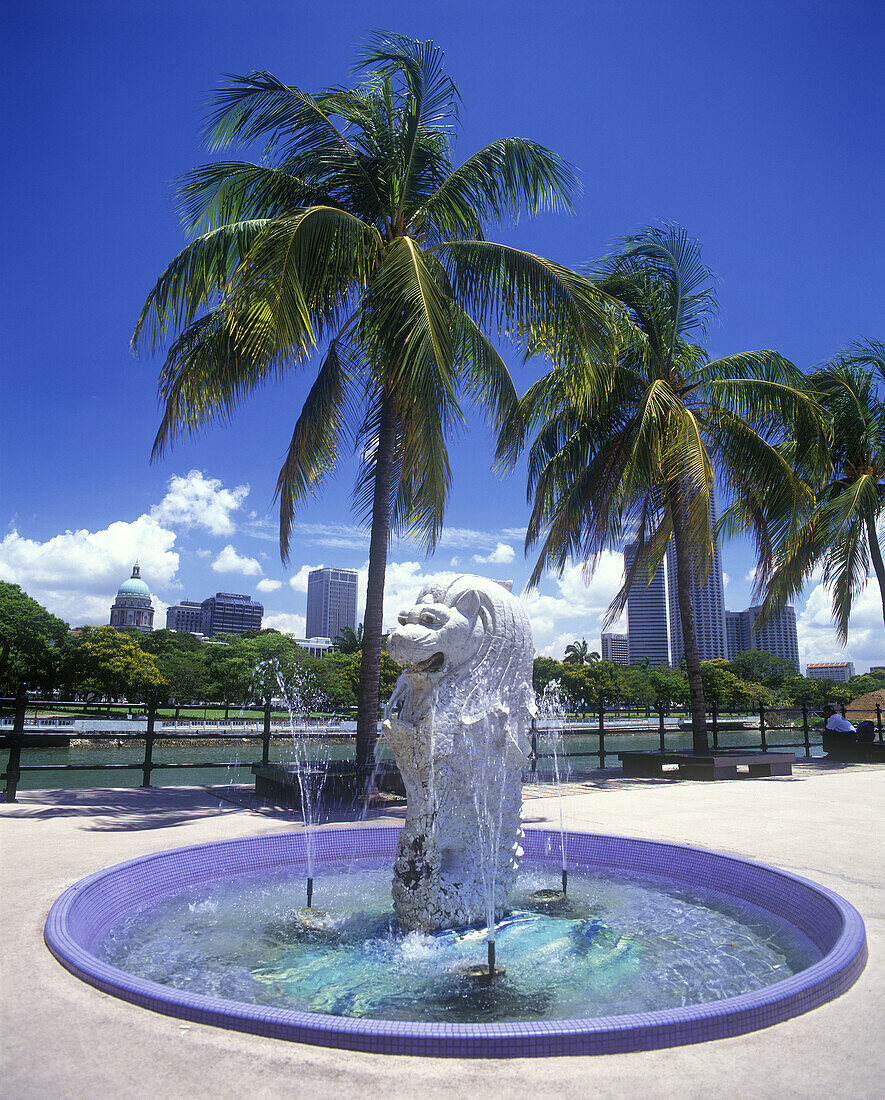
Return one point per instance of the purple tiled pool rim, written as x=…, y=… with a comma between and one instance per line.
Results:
x=83, y=914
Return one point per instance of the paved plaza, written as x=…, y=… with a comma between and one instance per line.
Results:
x=62, y=1038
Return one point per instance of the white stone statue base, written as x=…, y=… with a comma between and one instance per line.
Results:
x=458, y=725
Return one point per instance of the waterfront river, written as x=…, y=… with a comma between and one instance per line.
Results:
x=237, y=755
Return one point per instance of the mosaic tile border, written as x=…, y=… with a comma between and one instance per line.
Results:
x=80, y=917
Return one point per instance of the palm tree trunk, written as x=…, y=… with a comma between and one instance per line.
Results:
x=699, y=741
x=370, y=664
x=876, y=556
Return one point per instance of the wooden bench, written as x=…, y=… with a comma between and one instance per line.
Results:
x=712, y=765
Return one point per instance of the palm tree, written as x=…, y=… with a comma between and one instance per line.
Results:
x=842, y=537
x=579, y=653
x=357, y=235
x=630, y=444
x=576, y=652
x=348, y=640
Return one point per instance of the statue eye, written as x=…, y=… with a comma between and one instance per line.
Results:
x=427, y=618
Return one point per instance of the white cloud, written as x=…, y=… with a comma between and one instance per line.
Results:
x=298, y=583
x=578, y=607
x=267, y=585
x=726, y=580
x=194, y=500
x=286, y=621
x=501, y=555
x=337, y=536
x=260, y=527
x=76, y=575
x=229, y=561
x=866, y=636
x=574, y=610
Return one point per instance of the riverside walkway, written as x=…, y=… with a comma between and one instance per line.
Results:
x=64, y=1038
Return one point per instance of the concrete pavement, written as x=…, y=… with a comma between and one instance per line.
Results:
x=65, y=1039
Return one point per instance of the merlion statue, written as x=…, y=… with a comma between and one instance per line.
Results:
x=458, y=723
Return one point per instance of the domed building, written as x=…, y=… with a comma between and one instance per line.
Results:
x=133, y=607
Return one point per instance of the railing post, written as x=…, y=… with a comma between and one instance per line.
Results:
x=148, y=764
x=659, y=705
x=715, y=708
x=601, y=730
x=265, y=737
x=805, y=730
x=13, y=767
x=533, y=756
x=879, y=719
x=764, y=743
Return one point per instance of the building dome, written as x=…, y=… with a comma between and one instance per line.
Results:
x=135, y=586
x=133, y=606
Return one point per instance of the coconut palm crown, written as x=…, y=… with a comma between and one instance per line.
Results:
x=631, y=445
x=356, y=243
x=842, y=537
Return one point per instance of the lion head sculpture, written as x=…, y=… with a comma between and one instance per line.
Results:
x=458, y=724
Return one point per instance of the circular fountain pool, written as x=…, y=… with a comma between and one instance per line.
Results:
x=658, y=945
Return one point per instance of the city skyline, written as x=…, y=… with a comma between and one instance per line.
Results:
x=82, y=501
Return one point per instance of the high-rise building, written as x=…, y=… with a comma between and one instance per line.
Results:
x=331, y=602
x=187, y=616
x=133, y=606
x=841, y=671
x=708, y=601
x=777, y=637
x=646, y=616
x=230, y=613
x=614, y=648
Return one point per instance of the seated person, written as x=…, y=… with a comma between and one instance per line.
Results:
x=841, y=727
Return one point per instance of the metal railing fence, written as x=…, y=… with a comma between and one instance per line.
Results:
x=598, y=740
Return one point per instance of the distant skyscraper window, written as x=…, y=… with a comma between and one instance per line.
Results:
x=614, y=648
x=646, y=616
x=708, y=601
x=230, y=613
x=777, y=637
x=331, y=602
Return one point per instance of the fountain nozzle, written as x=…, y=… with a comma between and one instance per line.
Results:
x=309, y=891
x=564, y=881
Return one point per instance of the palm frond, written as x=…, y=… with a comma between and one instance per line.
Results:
x=225, y=192
x=206, y=375
x=551, y=308
x=500, y=181
x=316, y=439
x=198, y=277
x=434, y=94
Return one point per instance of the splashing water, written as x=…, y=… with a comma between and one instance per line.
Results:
x=311, y=763
x=552, y=711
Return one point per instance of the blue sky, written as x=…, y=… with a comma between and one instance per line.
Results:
x=758, y=126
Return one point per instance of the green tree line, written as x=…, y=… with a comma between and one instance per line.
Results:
x=753, y=679
x=173, y=667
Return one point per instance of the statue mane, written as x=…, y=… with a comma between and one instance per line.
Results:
x=495, y=670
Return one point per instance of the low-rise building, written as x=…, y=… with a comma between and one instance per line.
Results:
x=840, y=671
x=186, y=616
